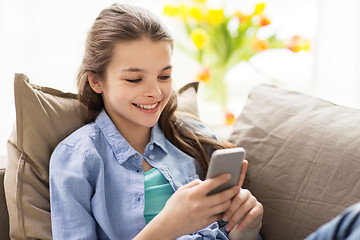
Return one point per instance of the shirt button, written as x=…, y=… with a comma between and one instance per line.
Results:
x=139, y=199
x=151, y=156
x=151, y=147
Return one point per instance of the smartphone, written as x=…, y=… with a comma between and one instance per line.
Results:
x=228, y=160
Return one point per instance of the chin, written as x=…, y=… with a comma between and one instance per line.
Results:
x=150, y=124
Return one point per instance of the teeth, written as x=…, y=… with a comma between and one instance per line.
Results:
x=147, y=106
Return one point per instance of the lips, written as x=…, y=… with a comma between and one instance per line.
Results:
x=147, y=106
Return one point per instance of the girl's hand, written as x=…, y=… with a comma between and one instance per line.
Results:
x=245, y=212
x=190, y=209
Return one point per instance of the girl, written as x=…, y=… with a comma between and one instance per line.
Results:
x=132, y=172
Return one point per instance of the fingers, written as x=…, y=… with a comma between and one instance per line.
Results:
x=202, y=188
x=220, y=208
x=227, y=194
x=253, y=219
x=236, y=203
x=216, y=203
x=243, y=172
x=244, y=210
x=212, y=183
x=223, y=196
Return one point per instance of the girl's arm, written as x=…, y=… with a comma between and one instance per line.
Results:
x=245, y=212
x=70, y=194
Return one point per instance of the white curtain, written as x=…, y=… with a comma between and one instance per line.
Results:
x=337, y=52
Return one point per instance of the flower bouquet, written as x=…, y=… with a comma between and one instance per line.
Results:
x=221, y=40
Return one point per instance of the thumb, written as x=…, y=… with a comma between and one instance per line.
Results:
x=243, y=172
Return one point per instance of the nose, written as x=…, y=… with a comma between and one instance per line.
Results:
x=153, y=90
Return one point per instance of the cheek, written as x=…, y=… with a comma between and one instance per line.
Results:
x=116, y=96
x=168, y=87
x=167, y=92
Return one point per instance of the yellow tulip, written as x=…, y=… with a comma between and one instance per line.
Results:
x=199, y=37
x=200, y=1
x=259, y=8
x=169, y=10
x=183, y=10
x=196, y=13
x=215, y=16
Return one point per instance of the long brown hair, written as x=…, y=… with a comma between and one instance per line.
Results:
x=121, y=22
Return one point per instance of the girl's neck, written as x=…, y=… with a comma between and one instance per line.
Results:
x=138, y=137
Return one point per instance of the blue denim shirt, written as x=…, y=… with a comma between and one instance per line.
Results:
x=97, y=183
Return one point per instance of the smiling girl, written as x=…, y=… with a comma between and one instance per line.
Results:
x=132, y=172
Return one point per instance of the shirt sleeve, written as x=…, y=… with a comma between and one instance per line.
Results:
x=211, y=232
x=70, y=195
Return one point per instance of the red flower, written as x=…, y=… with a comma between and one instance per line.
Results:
x=264, y=21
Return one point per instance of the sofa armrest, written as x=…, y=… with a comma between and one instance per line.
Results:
x=4, y=217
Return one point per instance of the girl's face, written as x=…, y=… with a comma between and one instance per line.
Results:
x=137, y=84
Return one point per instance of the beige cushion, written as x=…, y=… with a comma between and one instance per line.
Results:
x=304, y=159
x=187, y=101
x=44, y=117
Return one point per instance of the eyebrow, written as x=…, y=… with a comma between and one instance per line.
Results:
x=141, y=70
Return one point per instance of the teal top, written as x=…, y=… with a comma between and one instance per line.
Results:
x=157, y=191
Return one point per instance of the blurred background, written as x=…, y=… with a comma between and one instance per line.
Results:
x=44, y=39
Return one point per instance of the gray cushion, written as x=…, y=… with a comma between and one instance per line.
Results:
x=304, y=159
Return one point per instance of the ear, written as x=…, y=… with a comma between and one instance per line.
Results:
x=95, y=82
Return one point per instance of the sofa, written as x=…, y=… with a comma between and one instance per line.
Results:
x=303, y=153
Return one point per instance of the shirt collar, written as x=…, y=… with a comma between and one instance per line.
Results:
x=121, y=148
x=158, y=137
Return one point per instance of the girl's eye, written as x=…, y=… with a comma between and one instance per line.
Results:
x=133, y=80
x=165, y=77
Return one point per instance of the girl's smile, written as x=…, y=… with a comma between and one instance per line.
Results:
x=148, y=108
